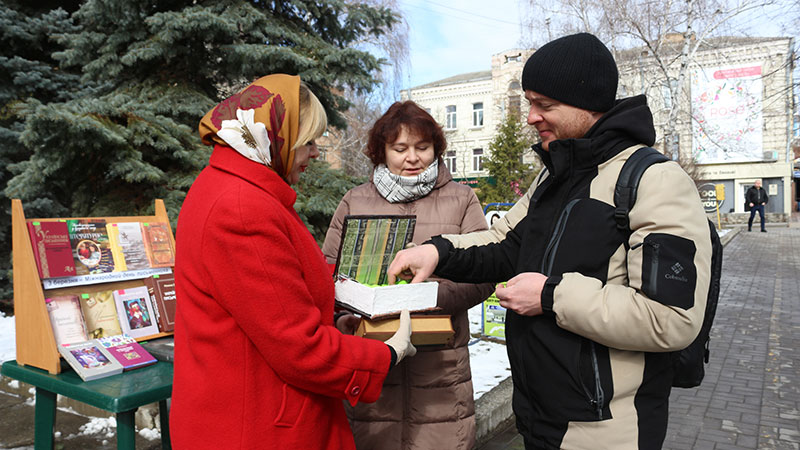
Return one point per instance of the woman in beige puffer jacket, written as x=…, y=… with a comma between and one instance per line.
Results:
x=427, y=400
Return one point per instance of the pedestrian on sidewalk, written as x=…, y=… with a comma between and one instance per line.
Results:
x=594, y=312
x=258, y=360
x=757, y=198
x=427, y=401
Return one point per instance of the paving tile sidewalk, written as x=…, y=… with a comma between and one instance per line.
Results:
x=750, y=398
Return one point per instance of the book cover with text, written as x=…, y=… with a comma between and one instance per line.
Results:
x=90, y=360
x=158, y=244
x=52, y=249
x=162, y=294
x=66, y=319
x=127, y=351
x=90, y=248
x=128, y=245
x=100, y=313
x=135, y=312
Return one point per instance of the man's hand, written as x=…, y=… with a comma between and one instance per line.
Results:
x=347, y=323
x=523, y=293
x=751, y=205
x=415, y=264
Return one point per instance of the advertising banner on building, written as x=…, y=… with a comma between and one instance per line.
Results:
x=726, y=114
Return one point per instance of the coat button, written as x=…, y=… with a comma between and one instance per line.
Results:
x=355, y=391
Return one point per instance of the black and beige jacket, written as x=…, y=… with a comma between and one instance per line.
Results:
x=594, y=371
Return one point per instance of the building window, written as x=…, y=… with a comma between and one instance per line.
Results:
x=513, y=58
x=450, y=118
x=450, y=161
x=477, y=114
x=477, y=159
x=428, y=110
x=514, y=105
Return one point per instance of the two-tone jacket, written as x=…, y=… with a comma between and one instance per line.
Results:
x=426, y=401
x=594, y=370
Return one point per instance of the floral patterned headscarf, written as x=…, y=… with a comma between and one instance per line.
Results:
x=260, y=122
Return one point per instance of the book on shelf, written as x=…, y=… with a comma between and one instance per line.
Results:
x=367, y=246
x=100, y=314
x=127, y=351
x=162, y=295
x=90, y=360
x=127, y=246
x=90, y=248
x=66, y=319
x=51, y=249
x=158, y=244
x=135, y=312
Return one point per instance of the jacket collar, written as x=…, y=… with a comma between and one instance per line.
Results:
x=228, y=160
x=628, y=123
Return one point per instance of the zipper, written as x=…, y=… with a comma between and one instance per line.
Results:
x=599, y=397
x=653, y=282
x=555, y=239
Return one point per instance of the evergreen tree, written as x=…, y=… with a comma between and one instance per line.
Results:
x=159, y=66
x=318, y=194
x=505, y=165
x=29, y=76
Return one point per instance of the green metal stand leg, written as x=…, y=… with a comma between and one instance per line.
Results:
x=163, y=413
x=126, y=430
x=45, y=419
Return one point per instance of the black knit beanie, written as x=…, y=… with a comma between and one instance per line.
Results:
x=577, y=70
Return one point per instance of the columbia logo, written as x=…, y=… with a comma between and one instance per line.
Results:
x=677, y=268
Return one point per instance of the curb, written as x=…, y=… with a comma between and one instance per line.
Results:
x=493, y=412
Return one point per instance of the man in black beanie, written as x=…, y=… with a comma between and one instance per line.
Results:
x=594, y=309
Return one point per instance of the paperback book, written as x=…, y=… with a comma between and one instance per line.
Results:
x=162, y=295
x=100, y=313
x=90, y=248
x=127, y=351
x=127, y=245
x=51, y=249
x=90, y=360
x=66, y=319
x=135, y=312
x=158, y=244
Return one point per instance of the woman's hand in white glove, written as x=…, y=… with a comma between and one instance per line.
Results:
x=401, y=340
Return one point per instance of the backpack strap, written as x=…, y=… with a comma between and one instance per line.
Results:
x=628, y=182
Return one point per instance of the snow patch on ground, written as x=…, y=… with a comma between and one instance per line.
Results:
x=99, y=426
x=488, y=360
x=150, y=434
x=8, y=338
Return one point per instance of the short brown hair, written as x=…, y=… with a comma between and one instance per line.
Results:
x=403, y=114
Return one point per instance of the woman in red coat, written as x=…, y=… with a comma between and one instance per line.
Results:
x=258, y=360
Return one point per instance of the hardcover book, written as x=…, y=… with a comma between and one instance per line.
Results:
x=66, y=319
x=158, y=244
x=90, y=249
x=127, y=244
x=100, y=313
x=90, y=360
x=135, y=312
x=52, y=249
x=127, y=351
x=368, y=245
x=162, y=295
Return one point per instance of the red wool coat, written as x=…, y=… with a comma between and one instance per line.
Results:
x=258, y=362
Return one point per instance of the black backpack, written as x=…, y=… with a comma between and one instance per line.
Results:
x=688, y=368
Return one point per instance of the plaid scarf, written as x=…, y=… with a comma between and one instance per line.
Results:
x=400, y=189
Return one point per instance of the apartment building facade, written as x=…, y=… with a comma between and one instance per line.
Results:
x=735, y=119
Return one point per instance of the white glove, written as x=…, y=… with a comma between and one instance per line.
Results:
x=401, y=340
